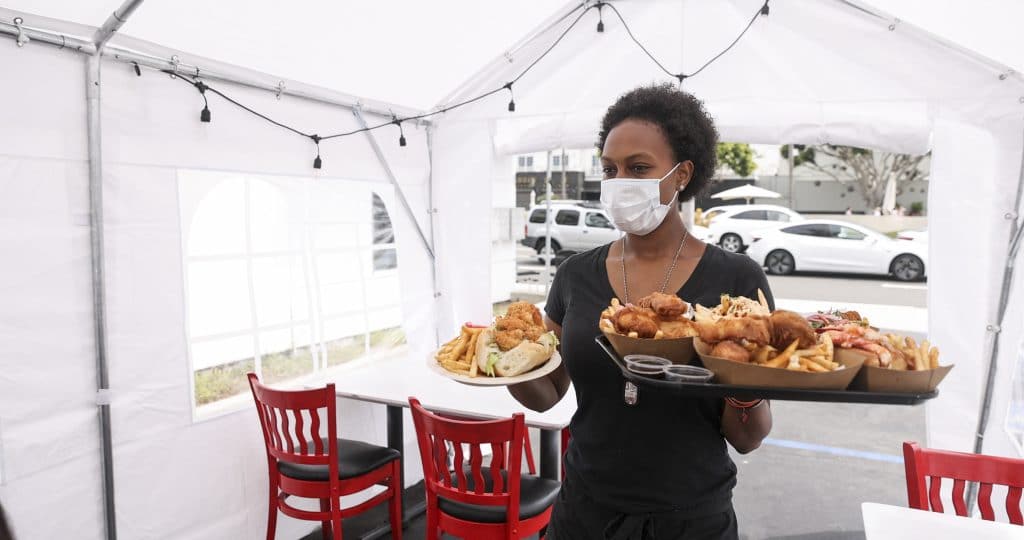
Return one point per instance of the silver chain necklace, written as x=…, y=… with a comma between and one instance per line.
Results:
x=668, y=275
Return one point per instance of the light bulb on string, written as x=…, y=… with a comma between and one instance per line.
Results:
x=401, y=133
x=600, y=17
x=317, y=162
x=764, y=8
x=512, y=98
x=204, y=115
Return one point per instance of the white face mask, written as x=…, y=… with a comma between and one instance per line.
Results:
x=635, y=205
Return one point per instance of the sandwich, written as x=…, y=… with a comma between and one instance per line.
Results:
x=516, y=343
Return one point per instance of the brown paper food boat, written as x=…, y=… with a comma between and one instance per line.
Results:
x=679, y=350
x=736, y=373
x=876, y=379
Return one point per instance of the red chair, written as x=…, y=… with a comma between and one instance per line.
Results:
x=303, y=463
x=471, y=500
x=923, y=463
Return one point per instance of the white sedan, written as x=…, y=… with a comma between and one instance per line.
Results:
x=837, y=246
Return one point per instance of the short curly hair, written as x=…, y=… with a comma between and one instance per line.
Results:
x=688, y=128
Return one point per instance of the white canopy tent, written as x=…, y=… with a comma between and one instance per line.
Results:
x=810, y=72
x=746, y=192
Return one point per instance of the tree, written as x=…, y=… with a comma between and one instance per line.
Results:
x=869, y=170
x=737, y=156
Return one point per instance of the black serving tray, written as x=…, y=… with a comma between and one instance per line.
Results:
x=712, y=389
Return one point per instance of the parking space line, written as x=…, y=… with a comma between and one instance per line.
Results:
x=901, y=286
x=834, y=450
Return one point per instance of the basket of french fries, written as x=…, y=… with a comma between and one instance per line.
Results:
x=657, y=325
x=892, y=362
x=516, y=348
x=746, y=344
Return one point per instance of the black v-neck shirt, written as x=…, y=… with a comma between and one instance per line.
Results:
x=665, y=453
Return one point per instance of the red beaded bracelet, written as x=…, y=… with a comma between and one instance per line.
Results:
x=743, y=406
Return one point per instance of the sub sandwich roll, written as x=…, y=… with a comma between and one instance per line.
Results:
x=521, y=358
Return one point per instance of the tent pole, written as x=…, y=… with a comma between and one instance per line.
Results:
x=432, y=212
x=93, y=101
x=1016, y=229
x=549, y=252
x=394, y=182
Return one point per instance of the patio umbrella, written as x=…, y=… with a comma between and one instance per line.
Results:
x=746, y=192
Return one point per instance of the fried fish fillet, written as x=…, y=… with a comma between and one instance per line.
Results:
x=730, y=350
x=643, y=321
x=678, y=328
x=787, y=326
x=665, y=305
x=753, y=329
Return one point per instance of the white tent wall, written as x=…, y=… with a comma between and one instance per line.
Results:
x=174, y=477
x=49, y=434
x=974, y=183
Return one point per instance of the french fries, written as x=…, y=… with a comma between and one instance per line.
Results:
x=817, y=359
x=459, y=354
x=912, y=356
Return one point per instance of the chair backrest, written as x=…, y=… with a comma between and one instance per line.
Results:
x=505, y=438
x=926, y=468
x=291, y=424
x=531, y=466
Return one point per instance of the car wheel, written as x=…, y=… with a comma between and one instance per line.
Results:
x=731, y=243
x=780, y=262
x=907, y=267
x=544, y=254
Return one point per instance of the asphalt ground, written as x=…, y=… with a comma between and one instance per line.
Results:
x=822, y=460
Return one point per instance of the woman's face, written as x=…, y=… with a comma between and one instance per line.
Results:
x=636, y=149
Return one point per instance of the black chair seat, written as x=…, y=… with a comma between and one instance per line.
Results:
x=355, y=458
x=536, y=494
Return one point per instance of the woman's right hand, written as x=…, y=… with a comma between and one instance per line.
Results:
x=543, y=393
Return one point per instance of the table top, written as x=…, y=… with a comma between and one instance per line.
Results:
x=393, y=381
x=885, y=522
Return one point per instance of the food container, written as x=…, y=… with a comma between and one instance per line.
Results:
x=688, y=374
x=646, y=365
x=743, y=374
x=876, y=379
x=678, y=350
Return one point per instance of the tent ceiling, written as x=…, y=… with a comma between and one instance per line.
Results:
x=425, y=42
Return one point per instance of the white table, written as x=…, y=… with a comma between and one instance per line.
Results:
x=885, y=522
x=393, y=381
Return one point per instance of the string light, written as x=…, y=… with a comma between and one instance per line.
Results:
x=318, y=162
x=138, y=70
x=512, y=98
x=204, y=116
x=401, y=134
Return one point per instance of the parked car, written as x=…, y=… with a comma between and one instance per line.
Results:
x=915, y=235
x=575, y=227
x=836, y=246
x=731, y=226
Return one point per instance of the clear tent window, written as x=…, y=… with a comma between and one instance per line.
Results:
x=284, y=276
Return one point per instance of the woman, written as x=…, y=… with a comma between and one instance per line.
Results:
x=657, y=468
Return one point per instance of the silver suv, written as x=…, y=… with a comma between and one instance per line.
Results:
x=575, y=227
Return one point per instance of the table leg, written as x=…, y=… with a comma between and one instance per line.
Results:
x=396, y=440
x=550, y=454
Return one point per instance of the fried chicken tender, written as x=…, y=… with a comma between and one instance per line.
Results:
x=678, y=328
x=787, y=326
x=753, y=329
x=522, y=321
x=525, y=312
x=665, y=305
x=643, y=321
x=509, y=339
x=730, y=350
